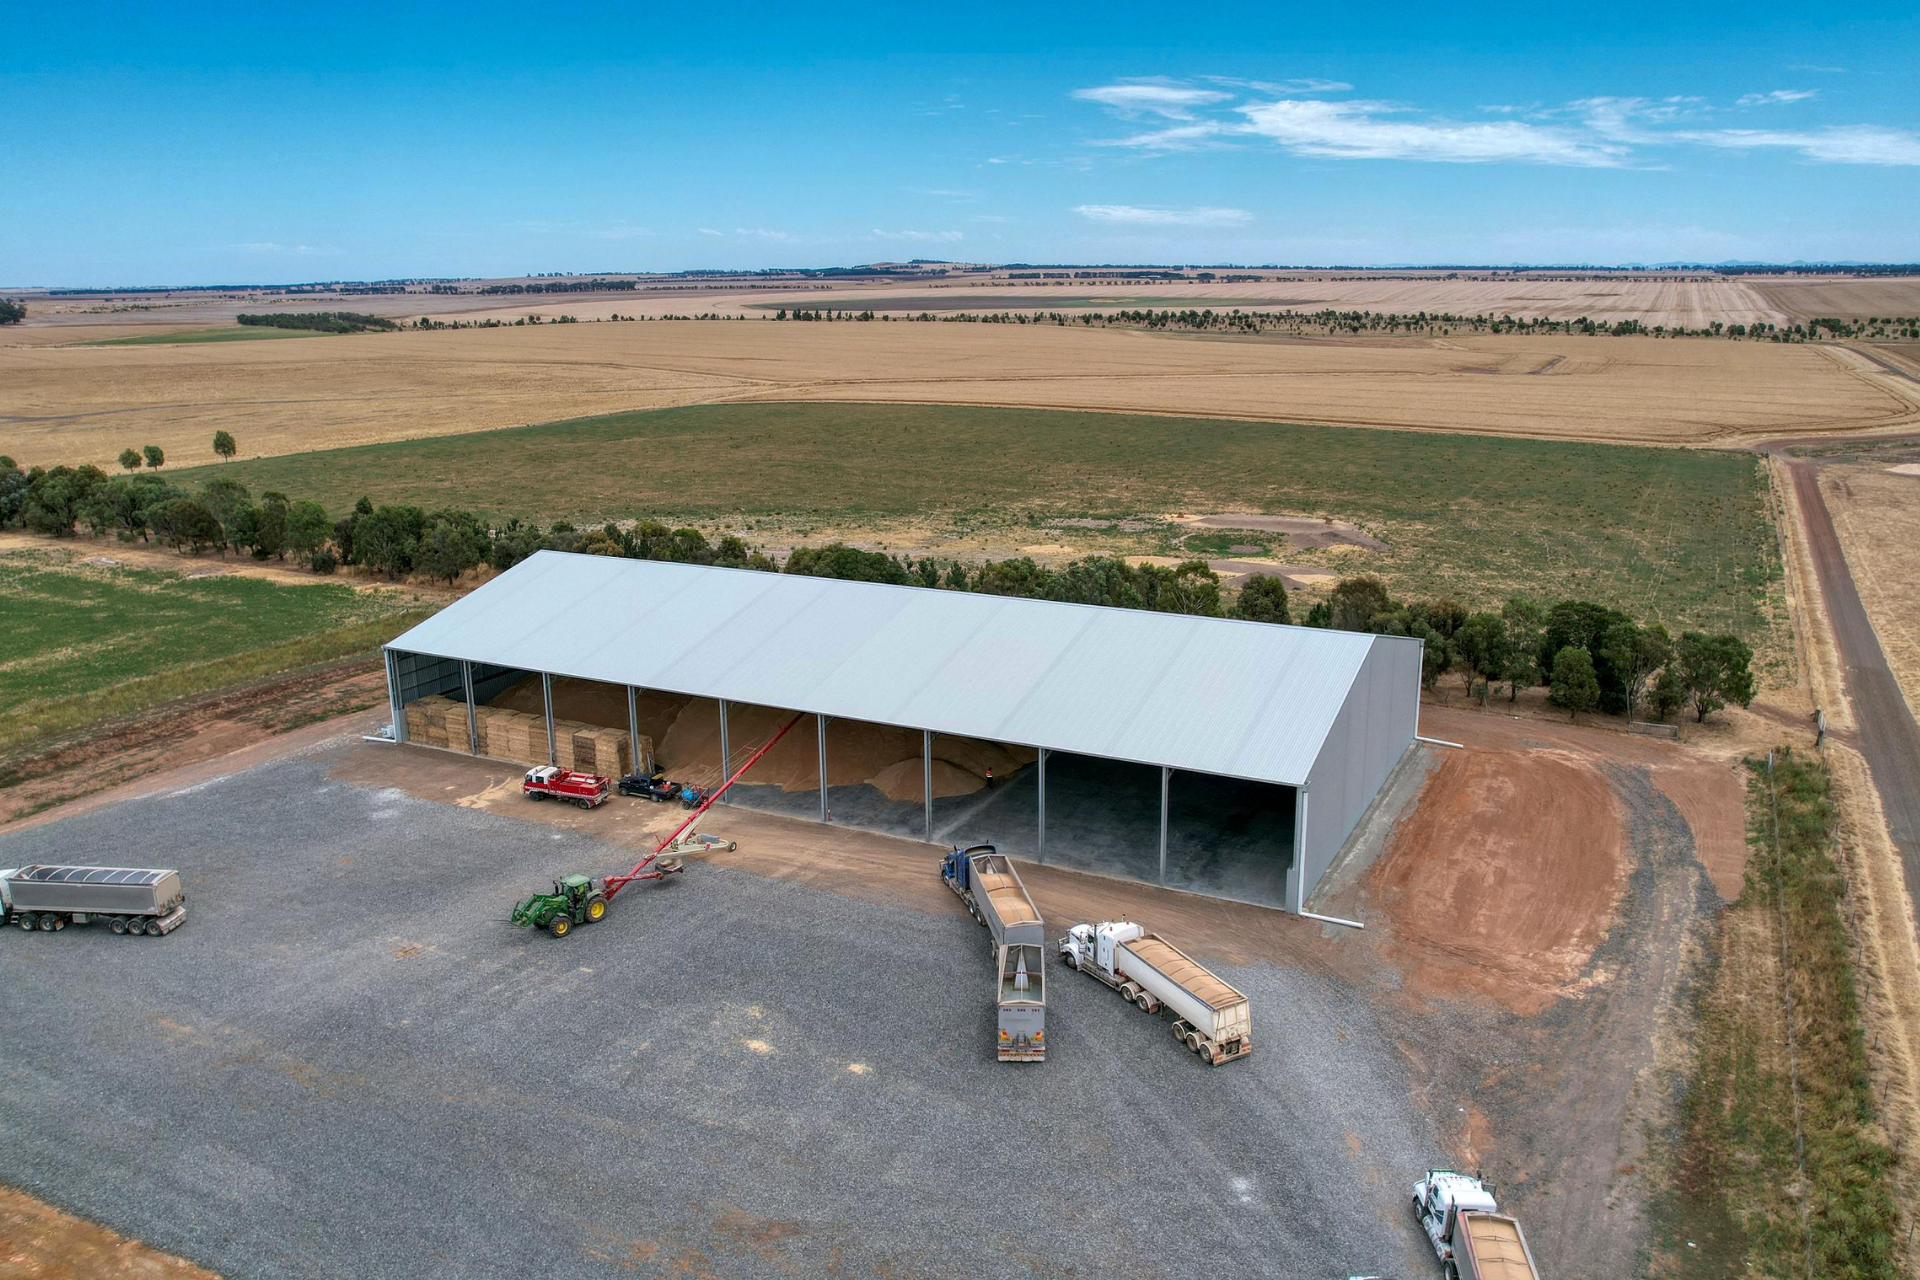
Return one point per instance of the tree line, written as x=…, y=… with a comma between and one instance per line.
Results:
x=1590, y=657
x=318, y=321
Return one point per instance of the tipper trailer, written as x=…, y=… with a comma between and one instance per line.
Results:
x=1472, y=1238
x=1210, y=1017
x=1017, y=936
x=126, y=899
x=994, y=894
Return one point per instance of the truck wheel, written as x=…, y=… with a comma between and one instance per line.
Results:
x=24, y=920
x=1071, y=960
x=1145, y=1002
x=1453, y=1272
x=596, y=908
x=1206, y=1054
x=48, y=923
x=117, y=925
x=560, y=926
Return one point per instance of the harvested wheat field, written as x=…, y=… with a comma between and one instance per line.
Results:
x=78, y=404
x=1876, y=512
x=1842, y=297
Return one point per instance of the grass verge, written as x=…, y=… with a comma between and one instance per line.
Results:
x=1782, y=1167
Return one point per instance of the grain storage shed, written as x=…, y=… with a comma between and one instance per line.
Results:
x=1289, y=730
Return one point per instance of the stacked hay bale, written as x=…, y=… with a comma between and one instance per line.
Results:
x=437, y=722
x=516, y=735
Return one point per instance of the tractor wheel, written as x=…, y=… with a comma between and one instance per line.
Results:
x=117, y=925
x=596, y=908
x=560, y=926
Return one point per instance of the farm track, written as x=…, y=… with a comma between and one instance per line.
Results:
x=1887, y=734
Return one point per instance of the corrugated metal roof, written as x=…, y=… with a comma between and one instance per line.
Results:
x=1241, y=699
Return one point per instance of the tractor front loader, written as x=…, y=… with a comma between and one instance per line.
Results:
x=574, y=900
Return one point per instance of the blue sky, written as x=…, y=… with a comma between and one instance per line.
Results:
x=186, y=143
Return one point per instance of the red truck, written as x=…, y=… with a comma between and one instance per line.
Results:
x=588, y=790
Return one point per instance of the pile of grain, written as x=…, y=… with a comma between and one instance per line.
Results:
x=506, y=734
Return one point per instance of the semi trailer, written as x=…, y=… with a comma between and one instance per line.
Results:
x=125, y=899
x=1210, y=1017
x=995, y=896
x=1472, y=1238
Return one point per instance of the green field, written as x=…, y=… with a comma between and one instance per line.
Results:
x=1682, y=536
x=236, y=333
x=83, y=642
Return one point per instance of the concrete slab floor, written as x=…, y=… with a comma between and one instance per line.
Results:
x=1226, y=838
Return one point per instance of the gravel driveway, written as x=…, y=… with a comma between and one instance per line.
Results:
x=347, y=1063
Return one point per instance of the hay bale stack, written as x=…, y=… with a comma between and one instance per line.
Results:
x=437, y=722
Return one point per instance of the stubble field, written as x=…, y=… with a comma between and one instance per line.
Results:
x=73, y=404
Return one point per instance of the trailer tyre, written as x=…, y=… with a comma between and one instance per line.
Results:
x=47, y=923
x=1206, y=1054
x=117, y=925
x=1144, y=1001
x=24, y=919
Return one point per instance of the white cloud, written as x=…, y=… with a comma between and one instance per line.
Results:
x=761, y=233
x=925, y=236
x=1158, y=97
x=1840, y=144
x=1308, y=84
x=1138, y=215
x=1597, y=133
x=1361, y=131
x=709, y=231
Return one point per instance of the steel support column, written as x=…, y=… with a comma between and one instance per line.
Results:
x=1299, y=872
x=473, y=719
x=633, y=728
x=546, y=696
x=726, y=753
x=1166, y=790
x=820, y=723
x=1042, y=853
x=926, y=777
x=393, y=697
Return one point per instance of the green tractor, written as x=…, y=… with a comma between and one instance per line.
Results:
x=574, y=900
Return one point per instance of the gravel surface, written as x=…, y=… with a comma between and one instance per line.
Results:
x=348, y=1063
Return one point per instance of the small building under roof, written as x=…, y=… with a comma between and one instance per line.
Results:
x=1315, y=720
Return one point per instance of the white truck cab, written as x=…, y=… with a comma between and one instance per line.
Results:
x=1087, y=944
x=1440, y=1197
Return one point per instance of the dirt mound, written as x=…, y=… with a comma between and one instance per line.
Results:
x=1505, y=876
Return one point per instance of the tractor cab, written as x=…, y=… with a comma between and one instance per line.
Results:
x=573, y=888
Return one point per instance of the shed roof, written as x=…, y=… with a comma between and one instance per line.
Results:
x=1241, y=699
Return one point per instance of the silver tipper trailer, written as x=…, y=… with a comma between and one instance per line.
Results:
x=1021, y=1003
x=995, y=895
x=126, y=899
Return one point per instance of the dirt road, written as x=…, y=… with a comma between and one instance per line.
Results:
x=1887, y=736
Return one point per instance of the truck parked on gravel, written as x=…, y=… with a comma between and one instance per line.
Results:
x=995, y=896
x=1211, y=1018
x=125, y=899
x=588, y=790
x=1472, y=1238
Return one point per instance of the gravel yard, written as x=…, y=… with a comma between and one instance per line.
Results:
x=348, y=1063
